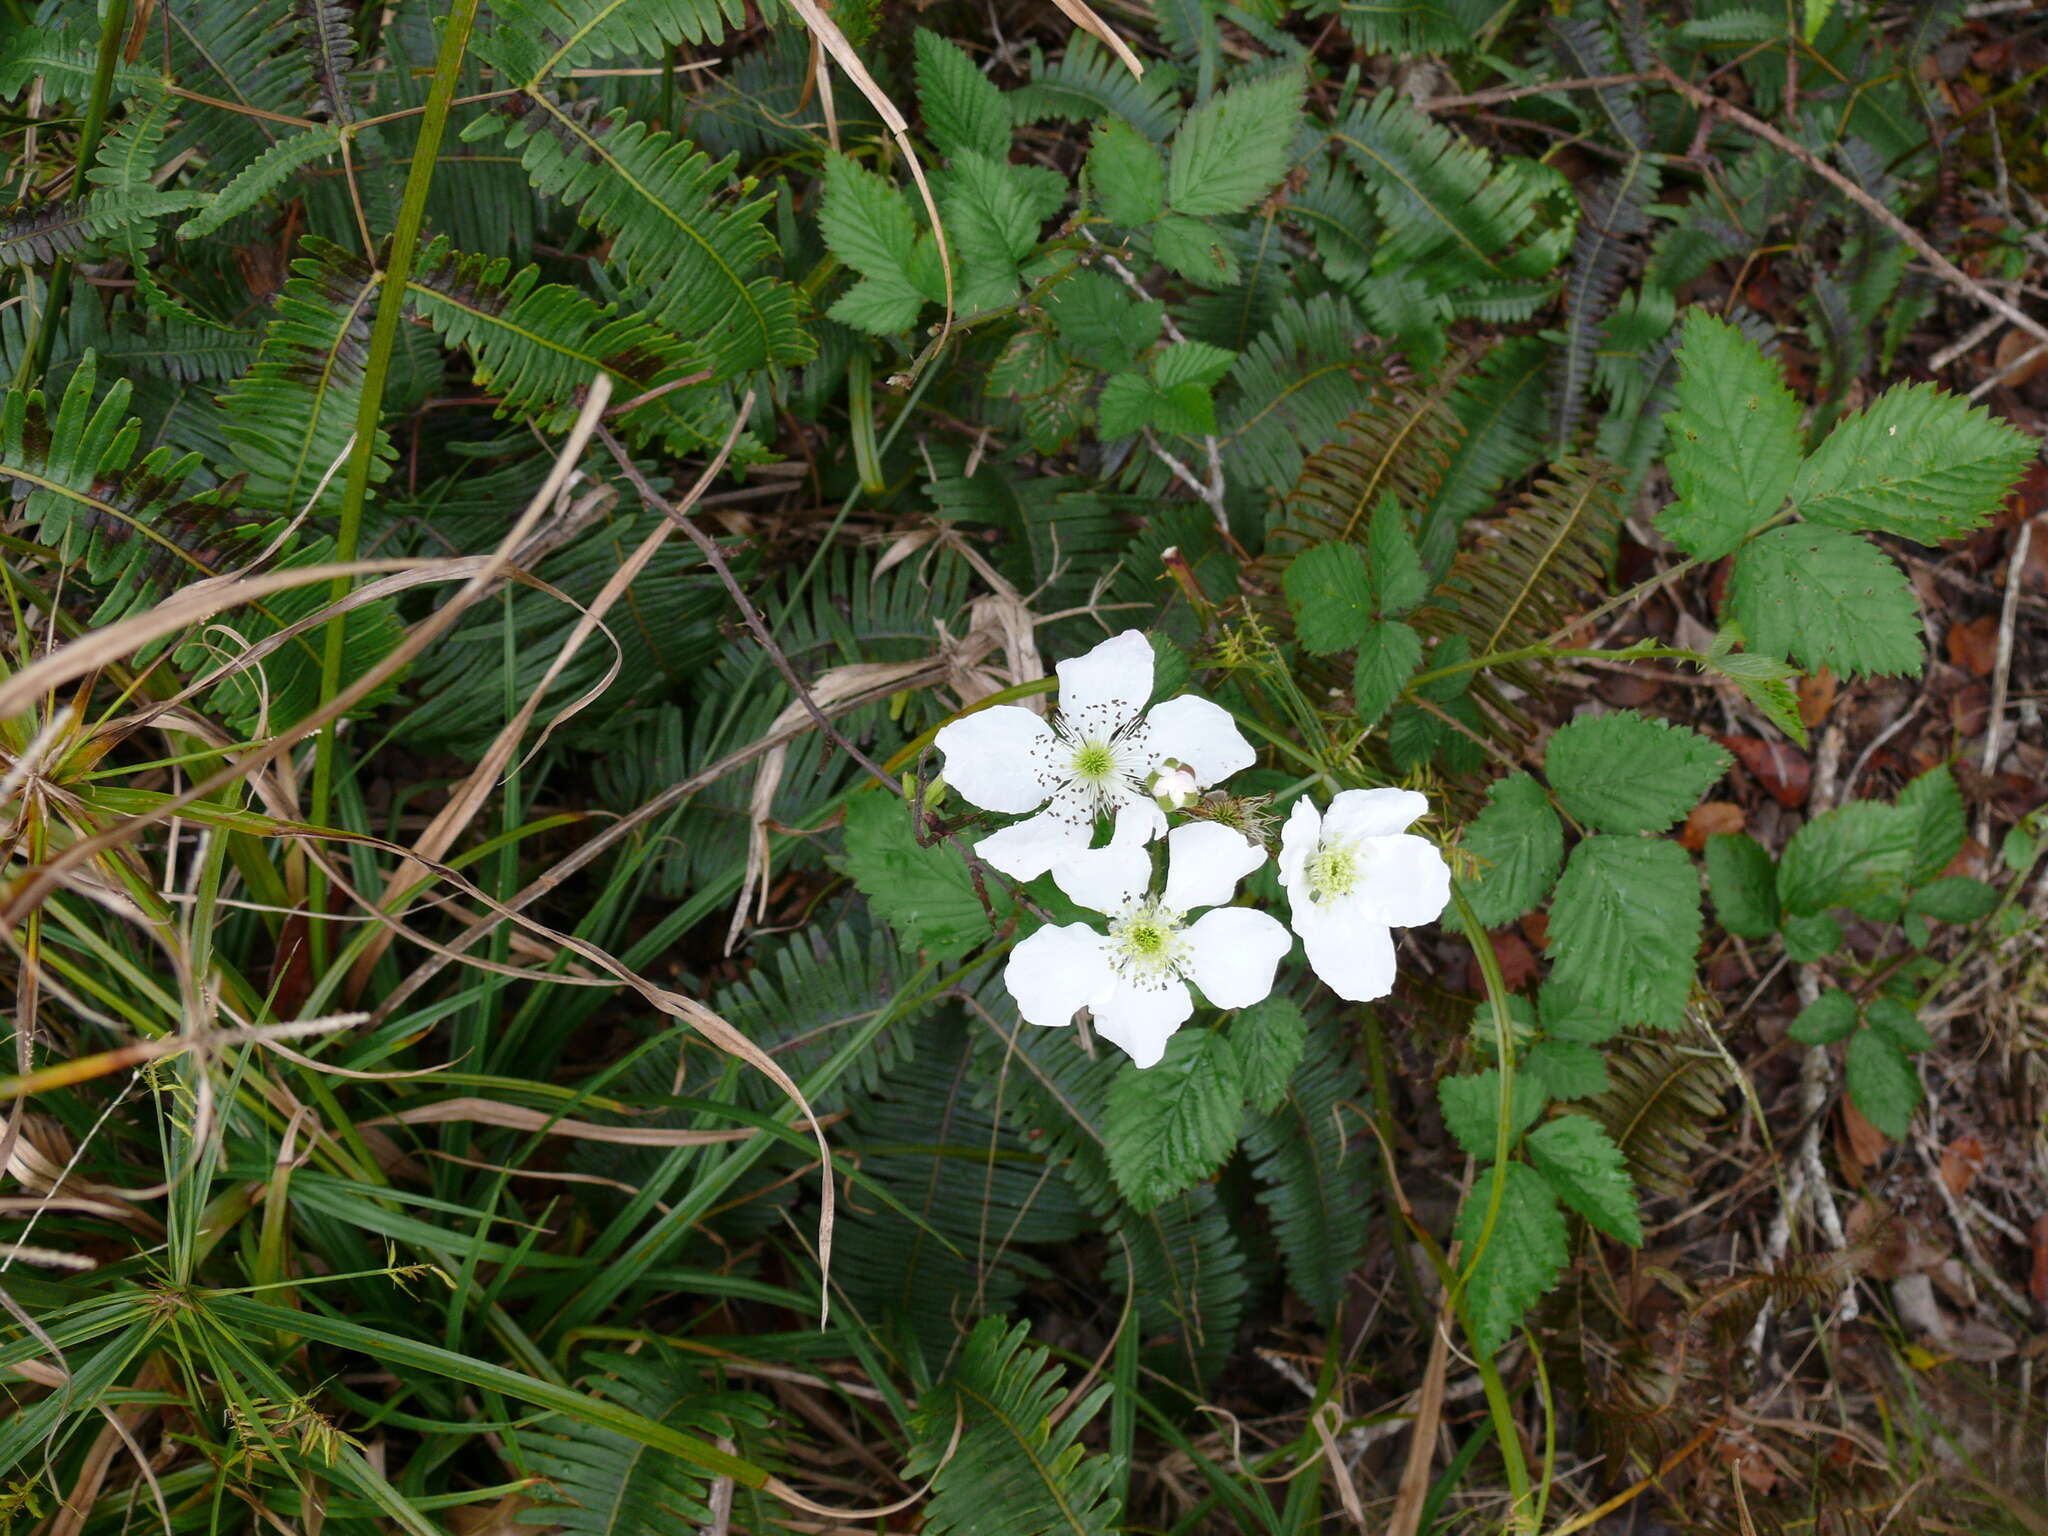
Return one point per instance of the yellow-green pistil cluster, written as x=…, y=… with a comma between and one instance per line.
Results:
x=1146, y=946
x=1334, y=870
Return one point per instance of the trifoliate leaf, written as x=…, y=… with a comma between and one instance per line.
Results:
x=992, y=225
x=1126, y=173
x=1854, y=856
x=1268, y=1037
x=963, y=109
x=1624, y=927
x=1524, y=1253
x=1828, y=1018
x=1624, y=772
x=924, y=893
x=1566, y=1069
x=1735, y=441
x=1939, y=822
x=1232, y=149
x=1895, y=1019
x=1471, y=1106
x=1331, y=595
x=1827, y=599
x=1185, y=410
x=1744, y=884
x=1101, y=323
x=1387, y=657
x=1883, y=1083
x=1191, y=362
x=1918, y=462
x=1586, y=1169
x=1957, y=899
x=1519, y=843
x=1398, y=579
x=1197, y=251
x=1811, y=938
x=1171, y=1125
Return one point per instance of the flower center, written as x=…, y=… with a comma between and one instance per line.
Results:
x=1094, y=761
x=1333, y=871
x=1146, y=945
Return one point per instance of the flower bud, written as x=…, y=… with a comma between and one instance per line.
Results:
x=1174, y=787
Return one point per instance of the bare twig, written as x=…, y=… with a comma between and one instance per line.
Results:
x=2001, y=679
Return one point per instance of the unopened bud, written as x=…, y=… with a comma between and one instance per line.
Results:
x=1175, y=788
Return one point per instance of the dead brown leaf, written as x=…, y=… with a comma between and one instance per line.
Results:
x=1711, y=818
x=1779, y=768
x=1960, y=1161
x=1973, y=645
x=1816, y=697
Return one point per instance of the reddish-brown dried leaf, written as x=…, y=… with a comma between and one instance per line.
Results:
x=1778, y=767
x=1973, y=645
x=1711, y=817
x=1816, y=697
x=1969, y=709
x=2013, y=346
x=1860, y=1143
x=1960, y=1160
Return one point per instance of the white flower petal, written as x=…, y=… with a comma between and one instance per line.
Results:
x=1360, y=813
x=1105, y=879
x=1102, y=692
x=1030, y=848
x=1403, y=881
x=999, y=758
x=1298, y=839
x=1198, y=733
x=1353, y=956
x=1141, y=1019
x=1232, y=953
x=1204, y=862
x=1138, y=821
x=1055, y=971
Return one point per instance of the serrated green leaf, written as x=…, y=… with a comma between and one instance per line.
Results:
x=1566, y=1069
x=1197, y=251
x=1735, y=440
x=2017, y=849
x=1624, y=772
x=1268, y=1037
x=1388, y=655
x=963, y=110
x=1185, y=410
x=1828, y=1018
x=1883, y=1083
x=1852, y=856
x=1744, y=883
x=880, y=306
x=1330, y=593
x=1765, y=681
x=1126, y=174
x=1811, y=938
x=1895, y=1019
x=866, y=220
x=924, y=893
x=1125, y=404
x=992, y=224
x=1171, y=1125
x=1191, y=362
x=1471, y=1106
x=1939, y=822
x=1624, y=927
x=1398, y=580
x=1586, y=1169
x=1918, y=462
x=1958, y=899
x=1520, y=843
x=1231, y=149
x=1524, y=1253
x=1827, y=599
x=1099, y=322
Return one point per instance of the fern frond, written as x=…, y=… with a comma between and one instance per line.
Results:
x=327, y=33
x=263, y=176
x=603, y=1484
x=243, y=52
x=538, y=38
x=679, y=236
x=291, y=417
x=1499, y=406
x=66, y=62
x=1584, y=47
x=1399, y=443
x=1408, y=27
x=1088, y=82
x=1440, y=198
x=1295, y=383
x=537, y=346
x=36, y=237
x=1314, y=1179
x=1664, y=1098
x=1616, y=212
x=1003, y=1461
x=73, y=473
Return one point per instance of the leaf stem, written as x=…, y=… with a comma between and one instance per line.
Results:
x=412, y=210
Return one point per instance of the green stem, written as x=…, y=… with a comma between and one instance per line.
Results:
x=37, y=358
x=412, y=210
x=860, y=420
x=1643, y=650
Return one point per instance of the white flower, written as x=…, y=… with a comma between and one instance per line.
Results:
x=1095, y=758
x=1354, y=875
x=1134, y=979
